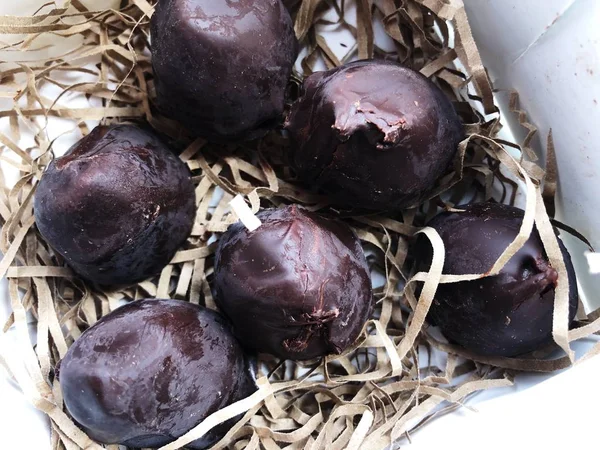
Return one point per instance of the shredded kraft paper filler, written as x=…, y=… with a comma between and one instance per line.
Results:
x=400, y=374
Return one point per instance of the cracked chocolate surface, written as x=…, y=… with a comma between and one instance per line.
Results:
x=298, y=287
x=372, y=134
x=503, y=315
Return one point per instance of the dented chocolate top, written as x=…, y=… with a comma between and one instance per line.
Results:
x=372, y=134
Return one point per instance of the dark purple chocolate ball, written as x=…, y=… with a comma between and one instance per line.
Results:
x=372, y=134
x=152, y=370
x=117, y=206
x=222, y=67
x=298, y=287
x=504, y=315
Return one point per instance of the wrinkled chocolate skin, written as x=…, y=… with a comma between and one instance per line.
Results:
x=117, y=206
x=298, y=287
x=221, y=67
x=372, y=134
x=152, y=370
x=504, y=315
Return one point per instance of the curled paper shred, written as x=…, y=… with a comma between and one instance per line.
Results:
x=243, y=211
x=375, y=391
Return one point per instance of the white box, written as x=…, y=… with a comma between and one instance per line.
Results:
x=548, y=50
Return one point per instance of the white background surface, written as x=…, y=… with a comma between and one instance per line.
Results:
x=549, y=50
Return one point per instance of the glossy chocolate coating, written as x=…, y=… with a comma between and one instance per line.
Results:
x=221, y=67
x=117, y=206
x=372, y=134
x=152, y=370
x=505, y=315
x=298, y=287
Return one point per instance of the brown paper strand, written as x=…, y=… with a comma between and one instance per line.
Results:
x=369, y=396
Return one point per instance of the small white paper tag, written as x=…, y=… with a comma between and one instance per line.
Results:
x=593, y=262
x=245, y=214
